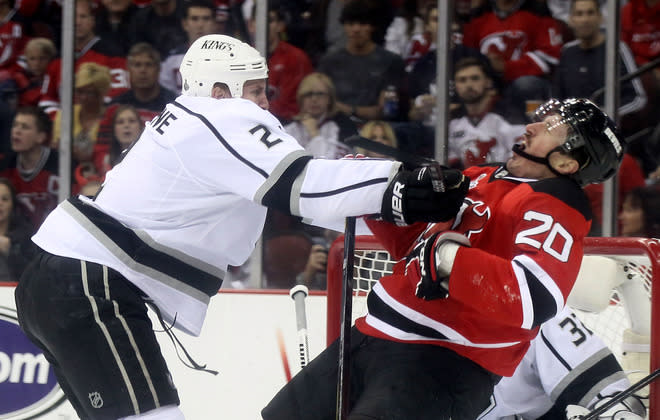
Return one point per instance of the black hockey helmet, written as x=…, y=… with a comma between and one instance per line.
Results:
x=592, y=138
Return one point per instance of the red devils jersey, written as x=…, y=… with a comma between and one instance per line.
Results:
x=526, y=237
x=530, y=44
x=97, y=51
x=12, y=41
x=36, y=191
x=640, y=29
x=287, y=66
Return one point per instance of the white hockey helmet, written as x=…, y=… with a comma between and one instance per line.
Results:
x=220, y=59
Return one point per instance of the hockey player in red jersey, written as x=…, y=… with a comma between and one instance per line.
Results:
x=466, y=298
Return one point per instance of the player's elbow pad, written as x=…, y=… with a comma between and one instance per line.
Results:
x=278, y=196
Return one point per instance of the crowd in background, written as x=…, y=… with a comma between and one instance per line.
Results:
x=336, y=68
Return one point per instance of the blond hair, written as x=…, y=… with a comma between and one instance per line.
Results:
x=305, y=86
x=368, y=129
x=95, y=75
x=44, y=45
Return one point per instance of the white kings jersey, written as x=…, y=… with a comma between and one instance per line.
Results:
x=488, y=140
x=190, y=197
x=565, y=364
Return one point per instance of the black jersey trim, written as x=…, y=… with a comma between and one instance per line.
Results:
x=604, y=372
x=222, y=140
x=344, y=189
x=279, y=194
x=554, y=351
x=379, y=309
x=144, y=254
x=545, y=306
x=566, y=190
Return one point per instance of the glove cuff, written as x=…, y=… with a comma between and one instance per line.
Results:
x=447, y=247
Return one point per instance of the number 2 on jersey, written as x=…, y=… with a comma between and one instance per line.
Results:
x=557, y=242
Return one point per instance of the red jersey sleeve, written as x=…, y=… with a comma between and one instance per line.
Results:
x=397, y=240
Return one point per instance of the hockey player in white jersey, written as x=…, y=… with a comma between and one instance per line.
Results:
x=188, y=199
x=566, y=364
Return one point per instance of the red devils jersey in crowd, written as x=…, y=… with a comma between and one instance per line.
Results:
x=36, y=190
x=527, y=239
x=98, y=51
x=287, y=66
x=12, y=41
x=530, y=44
x=640, y=29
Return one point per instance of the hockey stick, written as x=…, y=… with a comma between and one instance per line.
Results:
x=623, y=395
x=343, y=375
x=298, y=294
x=407, y=159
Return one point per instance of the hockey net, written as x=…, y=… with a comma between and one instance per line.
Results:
x=626, y=324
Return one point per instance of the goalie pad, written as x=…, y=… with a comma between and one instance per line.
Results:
x=593, y=287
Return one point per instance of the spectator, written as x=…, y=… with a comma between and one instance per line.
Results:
x=363, y=70
x=287, y=64
x=113, y=21
x=640, y=29
x=421, y=44
x=325, y=32
x=39, y=52
x=33, y=166
x=522, y=46
x=92, y=82
x=198, y=20
x=409, y=23
x=230, y=20
x=640, y=213
x=314, y=274
x=145, y=94
x=16, y=247
x=90, y=48
x=319, y=127
x=478, y=133
x=422, y=80
x=159, y=24
x=12, y=36
x=126, y=128
x=581, y=73
x=381, y=132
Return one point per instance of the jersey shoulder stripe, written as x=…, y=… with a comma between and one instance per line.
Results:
x=221, y=139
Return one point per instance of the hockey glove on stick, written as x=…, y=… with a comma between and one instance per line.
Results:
x=412, y=196
x=435, y=257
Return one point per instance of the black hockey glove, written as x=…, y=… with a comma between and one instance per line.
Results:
x=411, y=198
x=435, y=258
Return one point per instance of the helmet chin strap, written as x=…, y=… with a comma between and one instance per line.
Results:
x=518, y=149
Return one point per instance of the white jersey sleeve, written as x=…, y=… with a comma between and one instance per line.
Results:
x=565, y=364
x=245, y=150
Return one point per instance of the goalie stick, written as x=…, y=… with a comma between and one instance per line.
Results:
x=298, y=294
x=622, y=395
